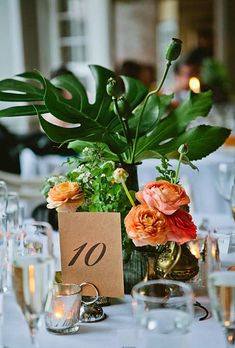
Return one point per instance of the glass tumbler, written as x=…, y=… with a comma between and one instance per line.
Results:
x=163, y=311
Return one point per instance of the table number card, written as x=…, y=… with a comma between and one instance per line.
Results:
x=91, y=251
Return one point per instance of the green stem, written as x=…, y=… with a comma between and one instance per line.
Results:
x=178, y=168
x=144, y=106
x=128, y=193
x=122, y=124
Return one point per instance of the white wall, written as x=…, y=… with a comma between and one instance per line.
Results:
x=11, y=54
x=11, y=57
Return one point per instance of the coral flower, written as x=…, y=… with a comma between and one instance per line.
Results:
x=164, y=196
x=146, y=226
x=181, y=227
x=63, y=193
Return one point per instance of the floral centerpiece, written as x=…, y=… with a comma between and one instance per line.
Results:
x=128, y=124
x=160, y=224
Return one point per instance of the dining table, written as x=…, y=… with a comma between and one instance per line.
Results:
x=119, y=330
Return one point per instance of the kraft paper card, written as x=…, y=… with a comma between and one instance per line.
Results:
x=91, y=251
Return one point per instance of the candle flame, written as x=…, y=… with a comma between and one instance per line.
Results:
x=194, y=85
x=58, y=308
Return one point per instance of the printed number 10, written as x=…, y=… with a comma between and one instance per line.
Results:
x=88, y=254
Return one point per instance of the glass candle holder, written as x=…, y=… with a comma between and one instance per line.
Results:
x=63, y=308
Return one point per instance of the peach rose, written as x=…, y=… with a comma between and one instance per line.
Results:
x=65, y=192
x=181, y=227
x=146, y=226
x=164, y=196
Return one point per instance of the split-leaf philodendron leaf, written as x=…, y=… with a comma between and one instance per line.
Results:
x=161, y=130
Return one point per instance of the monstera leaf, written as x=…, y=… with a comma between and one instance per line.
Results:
x=149, y=131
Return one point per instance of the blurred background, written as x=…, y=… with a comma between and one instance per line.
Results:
x=130, y=37
x=124, y=35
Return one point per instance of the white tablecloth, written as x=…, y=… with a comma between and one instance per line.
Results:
x=118, y=330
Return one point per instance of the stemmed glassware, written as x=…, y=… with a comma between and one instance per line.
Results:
x=12, y=216
x=221, y=291
x=12, y=212
x=233, y=200
x=221, y=287
x=33, y=273
x=225, y=180
x=3, y=252
x=3, y=197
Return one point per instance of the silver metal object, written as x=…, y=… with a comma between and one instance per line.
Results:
x=91, y=311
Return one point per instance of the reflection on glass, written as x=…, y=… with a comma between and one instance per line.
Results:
x=233, y=200
x=33, y=272
x=3, y=197
x=12, y=212
x=225, y=179
x=221, y=286
x=162, y=309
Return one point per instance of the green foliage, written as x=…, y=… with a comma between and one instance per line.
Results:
x=214, y=73
x=95, y=176
x=165, y=171
x=151, y=130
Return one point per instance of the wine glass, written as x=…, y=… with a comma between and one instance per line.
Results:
x=12, y=212
x=225, y=180
x=233, y=200
x=32, y=273
x=221, y=288
x=3, y=197
x=3, y=266
x=163, y=310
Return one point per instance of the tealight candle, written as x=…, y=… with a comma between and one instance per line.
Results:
x=62, y=308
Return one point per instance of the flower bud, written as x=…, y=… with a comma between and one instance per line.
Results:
x=120, y=175
x=183, y=149
x=123, y=107
x=113, y=88
x=173, y=50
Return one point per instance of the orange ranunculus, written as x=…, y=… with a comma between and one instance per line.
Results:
x=181, y=227
x=146, y=226
x=65, y=192
x=164, y=196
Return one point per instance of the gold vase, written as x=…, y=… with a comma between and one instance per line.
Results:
x=171, y=262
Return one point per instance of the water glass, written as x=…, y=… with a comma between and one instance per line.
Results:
x=163, y=311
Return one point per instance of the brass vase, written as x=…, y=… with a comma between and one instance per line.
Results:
x=172, y=261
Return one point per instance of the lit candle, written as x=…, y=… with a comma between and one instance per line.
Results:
x=58, y=309
x=194, y=85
